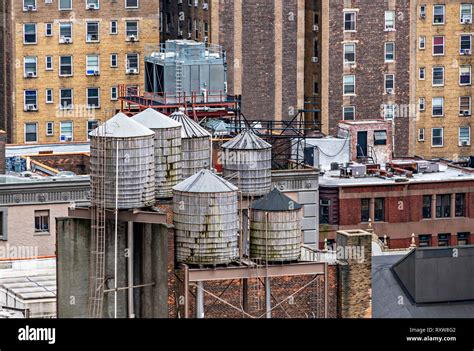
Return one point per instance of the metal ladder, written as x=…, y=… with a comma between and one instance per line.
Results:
x=179, y=77
x=255, y=290
x=97, y=269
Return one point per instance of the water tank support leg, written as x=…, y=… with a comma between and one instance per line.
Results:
x=199, y=300
x=268, y=298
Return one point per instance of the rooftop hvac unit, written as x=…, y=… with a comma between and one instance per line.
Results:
x=30, y=107
x=428, y=167
x=315, y=28
x=466, y=52
x=92, y=7
x=358, y=170
x=315, y=59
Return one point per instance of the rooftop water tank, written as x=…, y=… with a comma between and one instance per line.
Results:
x=205, y=209
x=126, y=145
x=168, y=170
x=275, y=228
x=196, y=145
x=247, y=163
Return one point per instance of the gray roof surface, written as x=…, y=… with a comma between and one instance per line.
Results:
x=387, y=292
x=153, y=119
x=122, y=126
x=190, y=128
x=205, y=182
x=30, y=285
x=247, y=140
x=275, y=201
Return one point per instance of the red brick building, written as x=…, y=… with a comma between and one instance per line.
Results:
x=437, y=207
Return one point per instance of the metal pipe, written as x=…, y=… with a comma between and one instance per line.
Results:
x=199, y=300
x=131, y=307
x=326, y=290
x=116, y=230
x=268, y=298
x=186, y=291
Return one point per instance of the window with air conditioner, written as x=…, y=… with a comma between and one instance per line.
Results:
x=350, y=21
x=389, y=83
x=348, y=113
x=65, y=32
x=132, y=64
x=92, y=65
x=65, y=4
x=438, y=45
x=438, y=107
x=349, y=85
x=437, y=137
x=389, y=20
x=93, y=97
x=466, y=13
x=29, y=5
x=31, y=132
x=66, y=99
x=438, y=77
x=131, y=3
x=92, y=32
x=390, y=52
x=66, y=131
x=464, y=136
x=465, y=46
x=465, y=106
x=29, y=33
x=131, y=29
x=92, y=4
x=65, y=66
x=30, y=66
x=350, y=53
x=465, y=75
x=388, y=112
x=31, y=100
x=439, y=12
x=422, y=42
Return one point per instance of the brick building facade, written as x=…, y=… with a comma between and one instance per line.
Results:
x=6, y=66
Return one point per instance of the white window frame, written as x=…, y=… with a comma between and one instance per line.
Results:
x=87, y=127
x=422, y=69
x=112, y=95
x=51, y=26
x=460, y=12
x=71, y=107
x=444, y=14
x=442, y=137
x=421, y=102
x=422, y=40
x=444, y=45
x=344, y=53
x=88, y=2
x=61, y=130
x=35, y=6
x=98, y=98
x=421, y=134
x=388, y=112
x=355, y=21
x=344, y=85
x=442, y=105
x=64, y=9
x=72, y=66
x=386, y=52
x=48, y=134
x=470, y=75
x=459, y=136
x=52, y=96
x=24, y=98
x=88, y=73
x=433, y=76
x=25, y=75
x=87, y=32
x=116, y=60
x=24, y=132
x=132, y=7
x=127, y=66
x=137, y=36
x=390, y=29
x=24, y=34
x=344, y=112
x=385, y=80
x=61, y=24
x=46, y=63
x=470, y=106
x=116, y=27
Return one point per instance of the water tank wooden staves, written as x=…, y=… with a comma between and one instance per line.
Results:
x=275, y=228
x=168, y=169
x=247, y=163
x=196, y=145
x=134, y=145
x=205, y=209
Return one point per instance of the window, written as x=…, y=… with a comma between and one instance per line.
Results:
x=49, y=128
x=132, y=63
x=443, y=206
x=66, y=99
x=93, y=97
x=438, y=107
x=348, y=113
x=30, y=66
x=465, y=44
x=438, y=14
x=421, y=104
x=92, y=35
x=49, y=63
x=388, y=112
x=92, y=65
x=66, y=131
x=131, y=30
x=92, y=4
x=42, y=222
x=438, y=45
x=427, y=207
x=65, y=32
x=380, y=137
x=91, y=125
x=65, y=66
x=29, y=5
x=113, y=93
x=31, y=100
x=113, y=27
x=324, y=211
x=48, y=29
x=379, y=210
x=463, y=239
x=29, y=33
x=349, y=85
x=349, y=53
x=422, y=73
x=423, y=11
x=437, y=137
x=460, y=210
x=350, y=19
x=31, y=132
x=389, y=20
x=113, y=60
x=365, y=210
x=389, y=83
x=131, y=3
x=389, y=52
x=49, y=96
x=438, y=76
x=465, y=75
x=65, y=4
x=464, y=136
x=422, y=43
x=466, y=13
x=444, y=240
x=421, y=134
x=424, y=240
x=465, y=106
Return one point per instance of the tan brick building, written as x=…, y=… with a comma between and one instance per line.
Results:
x=444, y=78
x=70, y=56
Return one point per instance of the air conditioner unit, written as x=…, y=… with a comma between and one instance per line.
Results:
x=205, y=6
x=466, y=52
x=315, y=59
x=389, y=91
x=132, y=71
x=190, y=35
x=132, y=37
x=315, y=28
x=31, y=74
x=92, y=7
x=422, y=15
x=180, y=33
x=64, y=138
x=180, y=2
x=96, y=73
x=465, y=113
x=464, y=143
x=206, y=39
x=65, y=40
x=29, y=8
x=30, y=107
x=466, y=20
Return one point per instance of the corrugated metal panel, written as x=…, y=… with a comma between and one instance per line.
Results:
x=247, y=140
x=275, y=200
x=205, y=182
x=190, y=128
x=121, y=126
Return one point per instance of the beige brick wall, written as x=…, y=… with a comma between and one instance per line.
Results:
x=147, y=16
x=452, y=29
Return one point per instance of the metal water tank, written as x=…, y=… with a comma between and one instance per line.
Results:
x=247, y=163
x=275, y=228
x=168, y=169
x=205, y=214
x=196, y=145
x=126, y=146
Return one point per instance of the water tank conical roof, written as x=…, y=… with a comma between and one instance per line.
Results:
x=205, y=182
x=121, y=126
x=247, y=140
x=153, y=119
x=275, y=201
x=190, y=129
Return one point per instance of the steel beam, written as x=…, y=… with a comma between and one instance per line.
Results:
x=137, y=216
